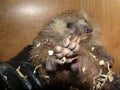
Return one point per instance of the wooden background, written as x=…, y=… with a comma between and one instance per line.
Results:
x=20, y=20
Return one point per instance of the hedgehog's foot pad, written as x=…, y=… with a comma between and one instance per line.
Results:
x=66, y=52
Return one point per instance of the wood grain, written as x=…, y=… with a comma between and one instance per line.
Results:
x=20, y=21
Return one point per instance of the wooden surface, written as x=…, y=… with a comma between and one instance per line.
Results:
x=20, y=20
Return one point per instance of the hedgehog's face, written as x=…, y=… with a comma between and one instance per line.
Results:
x=83, y=28
x=65, y=27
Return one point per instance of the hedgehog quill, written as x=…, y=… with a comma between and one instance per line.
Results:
x=68, y=51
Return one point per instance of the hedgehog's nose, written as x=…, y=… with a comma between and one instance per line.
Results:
x=88, y=29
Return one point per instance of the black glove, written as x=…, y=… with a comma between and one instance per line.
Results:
x=16, y=75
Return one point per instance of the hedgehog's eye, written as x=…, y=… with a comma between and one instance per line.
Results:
x=69, y=25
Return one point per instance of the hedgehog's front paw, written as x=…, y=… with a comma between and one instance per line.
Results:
x=67, y=51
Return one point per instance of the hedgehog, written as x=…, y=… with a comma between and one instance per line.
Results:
x=68, y=51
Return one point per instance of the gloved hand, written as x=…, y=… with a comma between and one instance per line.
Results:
x=20, y=75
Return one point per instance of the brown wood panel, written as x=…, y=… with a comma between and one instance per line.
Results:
x=20, y=20
x=107, y=14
